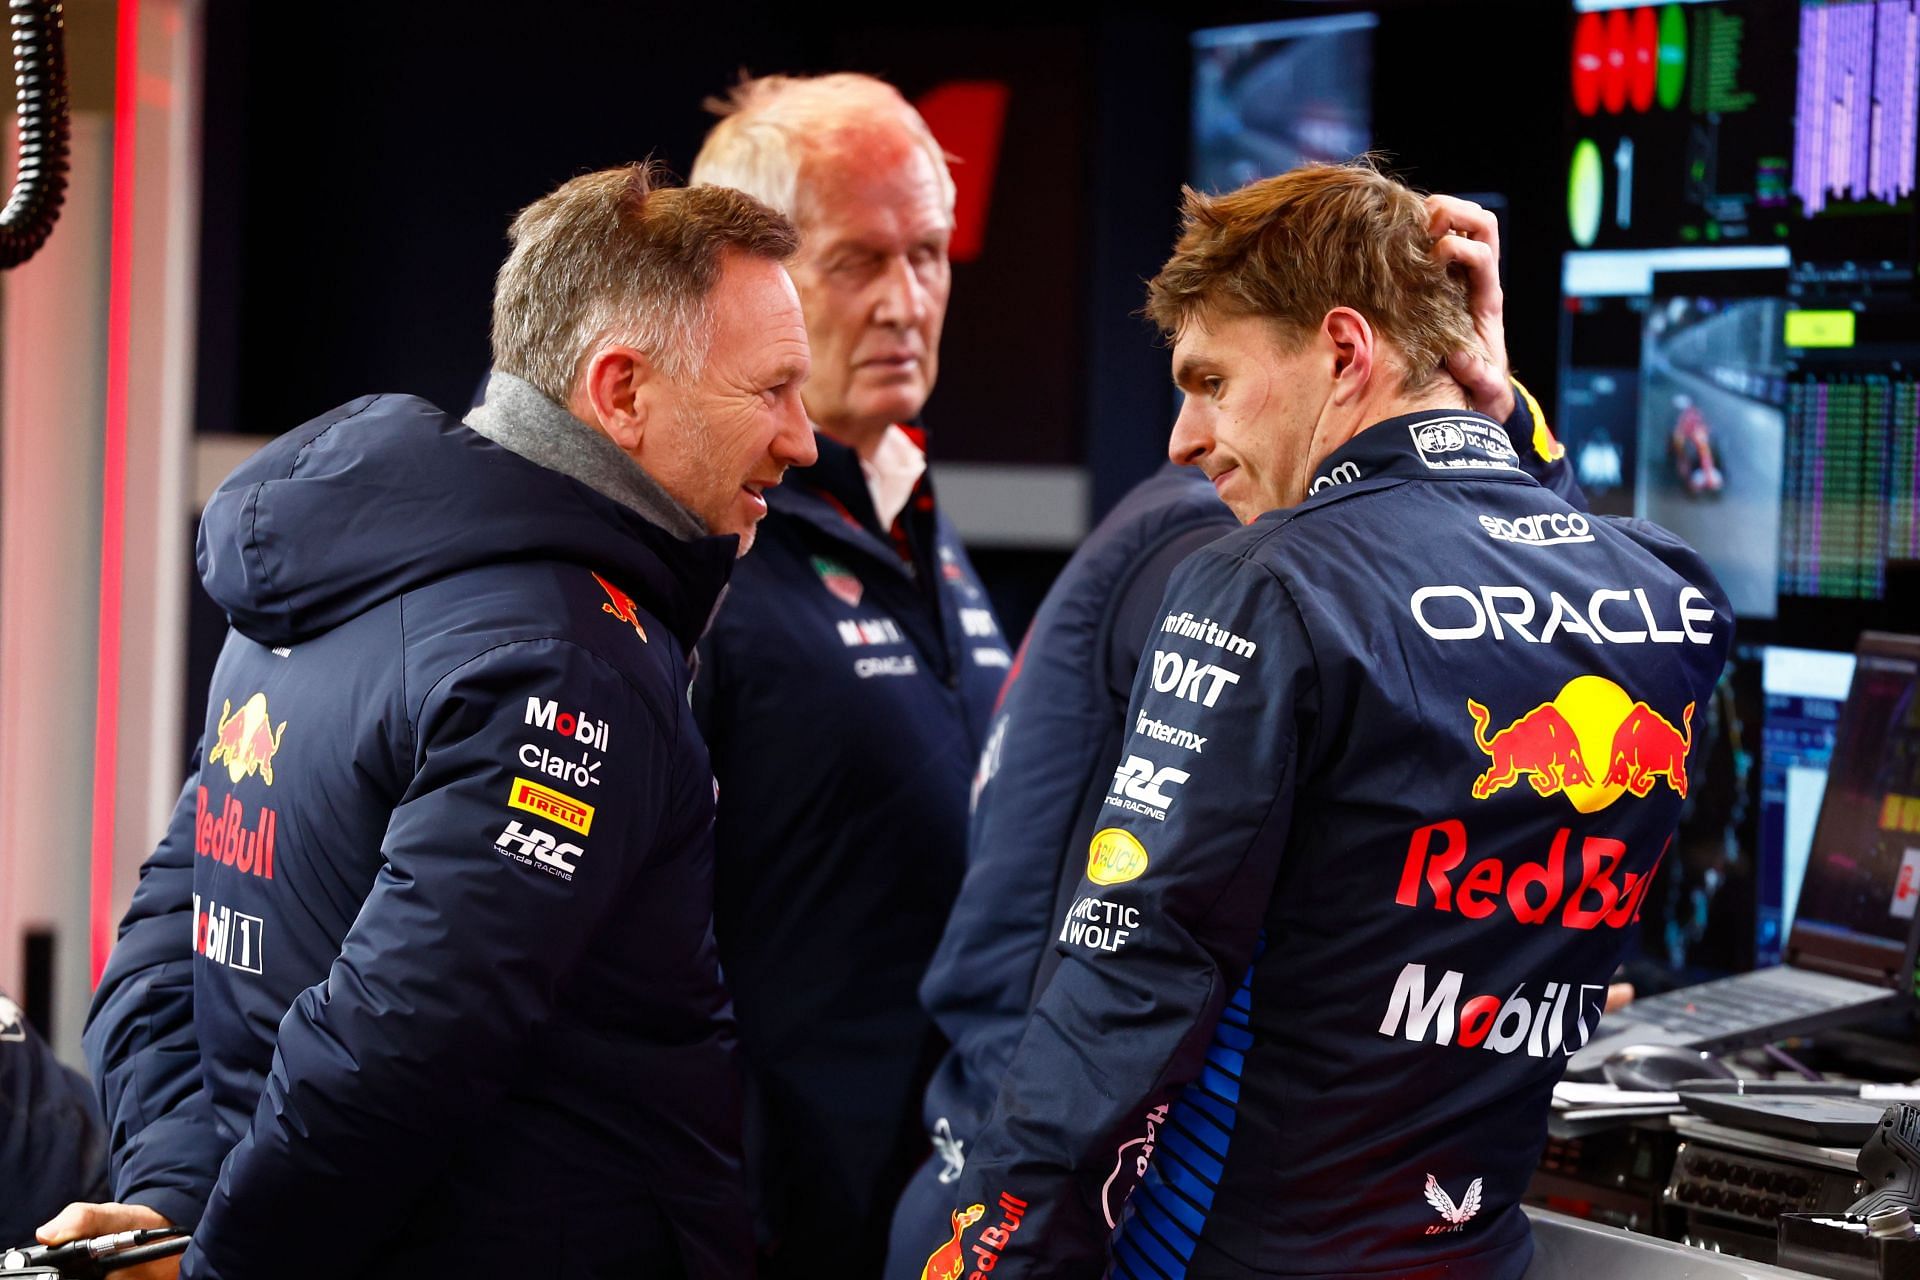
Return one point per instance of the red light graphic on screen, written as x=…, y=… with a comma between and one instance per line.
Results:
x=1613, y=68
x=1589, y=51
x=969, y=118
x=1643, y=54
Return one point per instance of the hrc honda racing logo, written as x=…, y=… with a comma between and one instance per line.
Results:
x=1591, y=721
x=532, y=847
x=1552, y=1019
x=1140, y=787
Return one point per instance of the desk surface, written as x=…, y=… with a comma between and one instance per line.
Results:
x=1573, y=1249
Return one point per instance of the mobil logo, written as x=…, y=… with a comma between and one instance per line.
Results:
x=1544, y=1020
x=1592, y=744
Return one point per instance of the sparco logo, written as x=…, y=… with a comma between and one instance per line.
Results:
x=1190, y=678
x=1532, y=892
x=1138, y=786
x=1557, y=1022
x=1345, y=473
x=531, y=846
x=1548, y=529
x=1203, y=630
x=1468, y=613
x=568, y=724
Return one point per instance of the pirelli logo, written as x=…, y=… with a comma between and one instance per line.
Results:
x=551, y=804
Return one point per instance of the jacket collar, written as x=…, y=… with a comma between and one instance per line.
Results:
x=1434, y=444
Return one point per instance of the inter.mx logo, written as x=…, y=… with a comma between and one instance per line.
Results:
x=1141, y=788
x=1190, y=678
x=533, y=847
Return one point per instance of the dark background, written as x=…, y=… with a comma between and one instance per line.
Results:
x=362, y=164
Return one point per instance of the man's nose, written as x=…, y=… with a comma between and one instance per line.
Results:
x=793, y=444
x=1191, y=440
x=903, y=300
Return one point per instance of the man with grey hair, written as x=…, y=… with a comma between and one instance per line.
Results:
x=846, y=687
x=452, y=996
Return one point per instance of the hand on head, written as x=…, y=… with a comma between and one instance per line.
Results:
x=1468, y=236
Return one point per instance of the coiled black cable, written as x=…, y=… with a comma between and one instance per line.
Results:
x=40, y=80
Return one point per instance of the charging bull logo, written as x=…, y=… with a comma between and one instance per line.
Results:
x=1592, y=719
x=621, y=606
x=246, y=740
x=949, y=1260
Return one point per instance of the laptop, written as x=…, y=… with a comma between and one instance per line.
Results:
x=1850, y=955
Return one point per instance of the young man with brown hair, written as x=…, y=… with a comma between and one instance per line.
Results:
x=1321, y=994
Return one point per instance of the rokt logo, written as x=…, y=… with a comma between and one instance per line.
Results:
x=1185, y=677
x=246, y=739
x=1591, y=719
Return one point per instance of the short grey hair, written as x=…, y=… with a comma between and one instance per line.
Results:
x=621, y=256
x=769, y=125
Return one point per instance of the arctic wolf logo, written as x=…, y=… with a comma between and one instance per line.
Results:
x=1456, y=1216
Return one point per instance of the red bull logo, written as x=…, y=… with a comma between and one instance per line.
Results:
x=226, y=838
x=948, y=1261
x=246, y=740
x=1592, y=719
x=621, y=606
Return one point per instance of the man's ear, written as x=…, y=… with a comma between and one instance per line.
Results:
x=616, y=393
x=1356, y=350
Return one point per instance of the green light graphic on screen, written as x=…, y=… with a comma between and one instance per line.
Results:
x=1672, y=56
x=1584, y=193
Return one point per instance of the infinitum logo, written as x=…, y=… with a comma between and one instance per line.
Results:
x=1202, y=629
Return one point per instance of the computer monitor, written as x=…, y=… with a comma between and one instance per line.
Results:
x=1270, y=96
x=1802, y=692
x=1713, y=391
x=1607, y=298
x=1681, y=123
x=1863, y=872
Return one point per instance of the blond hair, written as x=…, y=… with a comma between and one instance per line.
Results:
x=770, y=125
x=620, y=256
x=1293, y=247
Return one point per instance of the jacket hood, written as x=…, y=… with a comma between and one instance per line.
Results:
x=388, y=492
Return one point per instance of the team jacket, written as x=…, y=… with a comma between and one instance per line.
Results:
x=1419, y=743
x=52, y=1144
x=844, y=691
x=442, y=883
x=1053, y=771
